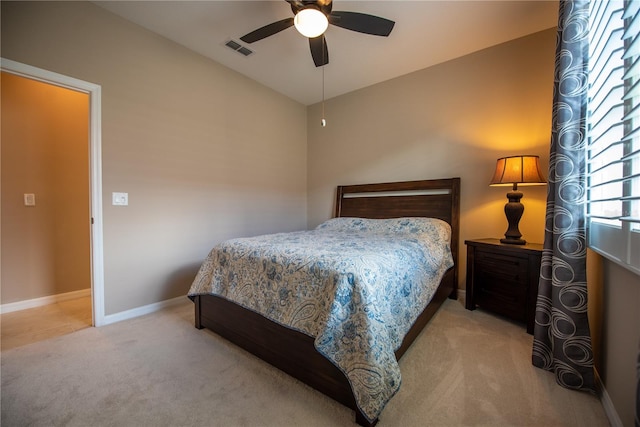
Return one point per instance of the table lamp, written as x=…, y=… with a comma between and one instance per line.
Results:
x=514, y=170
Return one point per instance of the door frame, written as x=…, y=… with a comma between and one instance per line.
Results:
x=95, y=169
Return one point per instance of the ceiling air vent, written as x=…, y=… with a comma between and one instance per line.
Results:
x=232, y=44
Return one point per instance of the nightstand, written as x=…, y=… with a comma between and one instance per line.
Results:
x=503, y=278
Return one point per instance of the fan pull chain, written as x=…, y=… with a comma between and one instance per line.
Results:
x=323, y=122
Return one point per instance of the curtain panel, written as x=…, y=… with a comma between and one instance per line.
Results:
x=562, y=339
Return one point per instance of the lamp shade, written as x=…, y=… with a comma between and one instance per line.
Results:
x=311, y=22
x=514, y=170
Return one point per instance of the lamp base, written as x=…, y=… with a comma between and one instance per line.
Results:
x=513, y=241
x=513, y=210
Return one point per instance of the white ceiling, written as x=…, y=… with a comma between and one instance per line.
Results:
x=426, y=33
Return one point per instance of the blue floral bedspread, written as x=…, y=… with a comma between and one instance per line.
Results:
x=355, y=285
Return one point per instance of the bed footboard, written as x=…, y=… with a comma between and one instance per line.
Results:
x=294, y=352
x=288, y=350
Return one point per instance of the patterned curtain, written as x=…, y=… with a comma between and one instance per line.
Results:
x=562, y=340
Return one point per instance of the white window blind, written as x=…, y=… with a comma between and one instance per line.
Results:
x=613, y=123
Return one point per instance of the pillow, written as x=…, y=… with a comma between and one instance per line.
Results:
x=407, y=225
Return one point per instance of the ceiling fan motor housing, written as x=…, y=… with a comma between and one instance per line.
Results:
x=323, y=6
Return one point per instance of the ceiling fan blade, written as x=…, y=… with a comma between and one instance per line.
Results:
x=362, y=23
x=267, y=30
x=319, y=50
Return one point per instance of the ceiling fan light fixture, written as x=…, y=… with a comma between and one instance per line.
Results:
x=311, y=22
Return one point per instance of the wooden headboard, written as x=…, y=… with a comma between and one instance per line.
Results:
x=437, y=198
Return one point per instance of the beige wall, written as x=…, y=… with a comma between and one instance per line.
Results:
x=204, y=153
x=45, y=151
x=451, y=120
x=621, y=338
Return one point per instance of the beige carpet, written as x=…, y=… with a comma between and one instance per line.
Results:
x=466, y=368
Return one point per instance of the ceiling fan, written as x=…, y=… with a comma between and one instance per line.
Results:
x=317, y=14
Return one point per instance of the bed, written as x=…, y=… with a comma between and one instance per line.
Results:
x=332, y=346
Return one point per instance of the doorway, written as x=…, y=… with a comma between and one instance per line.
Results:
x=91, y=259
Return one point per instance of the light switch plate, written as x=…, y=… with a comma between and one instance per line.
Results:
x=29, y=199
x=120, y=199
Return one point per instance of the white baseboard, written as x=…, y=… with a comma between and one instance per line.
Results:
x=607, y=404
x=39, y=302
x=141, y=311
x=108, y=319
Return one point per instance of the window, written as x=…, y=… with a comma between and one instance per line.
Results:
x=613, y=123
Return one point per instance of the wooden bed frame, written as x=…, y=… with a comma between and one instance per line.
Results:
x=293, y=352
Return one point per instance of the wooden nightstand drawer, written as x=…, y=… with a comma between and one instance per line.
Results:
x=502, y=267
x=506, y=298
x=503, y=278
